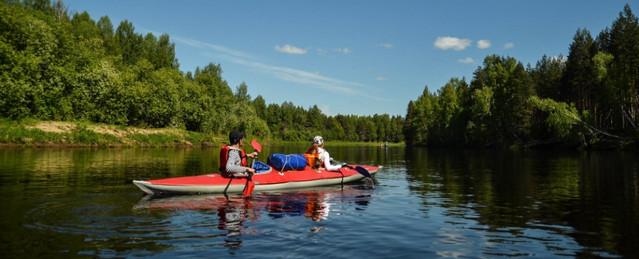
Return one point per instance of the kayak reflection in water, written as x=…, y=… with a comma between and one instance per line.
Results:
x=312, y=205
x=317, y=208
x=231, y=217
x=232, y=214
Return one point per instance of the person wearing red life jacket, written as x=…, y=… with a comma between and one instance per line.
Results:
x=233, y=159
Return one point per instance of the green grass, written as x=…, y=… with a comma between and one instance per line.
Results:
x=16, y=132
x=82, y=135
x=24, y=133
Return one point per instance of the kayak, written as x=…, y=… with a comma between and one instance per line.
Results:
x=265, y=181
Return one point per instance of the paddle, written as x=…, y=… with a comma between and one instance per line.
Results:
x=250, y=185
x=361, y=170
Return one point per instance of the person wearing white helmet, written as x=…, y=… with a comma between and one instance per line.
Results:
x=323, y=155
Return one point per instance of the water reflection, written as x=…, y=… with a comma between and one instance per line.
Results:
x=235, y=213
x=527, y=195
x=474, y=203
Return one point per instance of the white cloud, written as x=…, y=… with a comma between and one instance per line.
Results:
x=308, y=78
x=284, y=73
x=386, y=45
x=509, y=45
x=380, y=78
x=302, y=77
x=446, y=43
x=483, y=44
x=467, y=60
x=290, y=49
x=343, y=50
x=217, y=48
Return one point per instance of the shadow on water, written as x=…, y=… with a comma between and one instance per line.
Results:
x=592, y=198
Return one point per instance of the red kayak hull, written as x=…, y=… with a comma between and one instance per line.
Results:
x=271, y=180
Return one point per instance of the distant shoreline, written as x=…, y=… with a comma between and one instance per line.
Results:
x=33, y=133
x=64, y=134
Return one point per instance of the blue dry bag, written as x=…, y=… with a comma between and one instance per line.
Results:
x=261, y=167
x=284, y=162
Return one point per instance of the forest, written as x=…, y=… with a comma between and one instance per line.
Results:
x=59, y=66
x=589, y=98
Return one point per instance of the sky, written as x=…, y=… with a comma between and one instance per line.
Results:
x=357, y=56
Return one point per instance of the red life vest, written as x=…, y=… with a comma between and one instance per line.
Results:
x=224, y=157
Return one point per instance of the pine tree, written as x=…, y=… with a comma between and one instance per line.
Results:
x=624, y=72
x=547, y=75
x=579, y=81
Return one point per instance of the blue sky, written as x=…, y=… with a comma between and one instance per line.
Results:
x=356, y=57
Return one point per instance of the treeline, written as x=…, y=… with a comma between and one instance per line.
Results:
x=60, y=66
x=588, y=98
x=290, y=122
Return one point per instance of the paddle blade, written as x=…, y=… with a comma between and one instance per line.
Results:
x=363, y=171
x=248, y=189
x=256, y=146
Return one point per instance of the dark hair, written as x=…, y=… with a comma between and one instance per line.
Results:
x=235, y=137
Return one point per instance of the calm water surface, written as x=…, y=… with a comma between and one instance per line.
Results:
x=427, y=203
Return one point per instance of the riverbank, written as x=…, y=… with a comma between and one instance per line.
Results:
x=34, y=133
x=83, y=134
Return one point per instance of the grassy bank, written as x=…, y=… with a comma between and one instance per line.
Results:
x=56, y=133
x=84, y=134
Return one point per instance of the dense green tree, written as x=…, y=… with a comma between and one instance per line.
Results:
x=511, y=87
x=84, y=27
x=53, y=67
x=260, y=107
x=211, y=78
x=624, y=68
x=129, y=43
x=547, y=76
x=241, y=93
x=106, y=30
x=579, y=80
x=558, y=119
x=576, y=100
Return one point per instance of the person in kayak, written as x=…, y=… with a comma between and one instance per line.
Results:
x=233, y=159
x=322, y=155
x=312, y=157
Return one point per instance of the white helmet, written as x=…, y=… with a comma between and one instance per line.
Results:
x=318, y=140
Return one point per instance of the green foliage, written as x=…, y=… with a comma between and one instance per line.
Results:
x=293, y=123
x=547, y=76
x=560, y=118
x=437, y=119
x=602, y=61
x=58, y=68
x=18, y=132
x=596, y=86
x=580, y=77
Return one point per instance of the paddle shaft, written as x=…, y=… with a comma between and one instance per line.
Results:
x=250, y=185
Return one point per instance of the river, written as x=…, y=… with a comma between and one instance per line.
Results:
x=426, y=203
